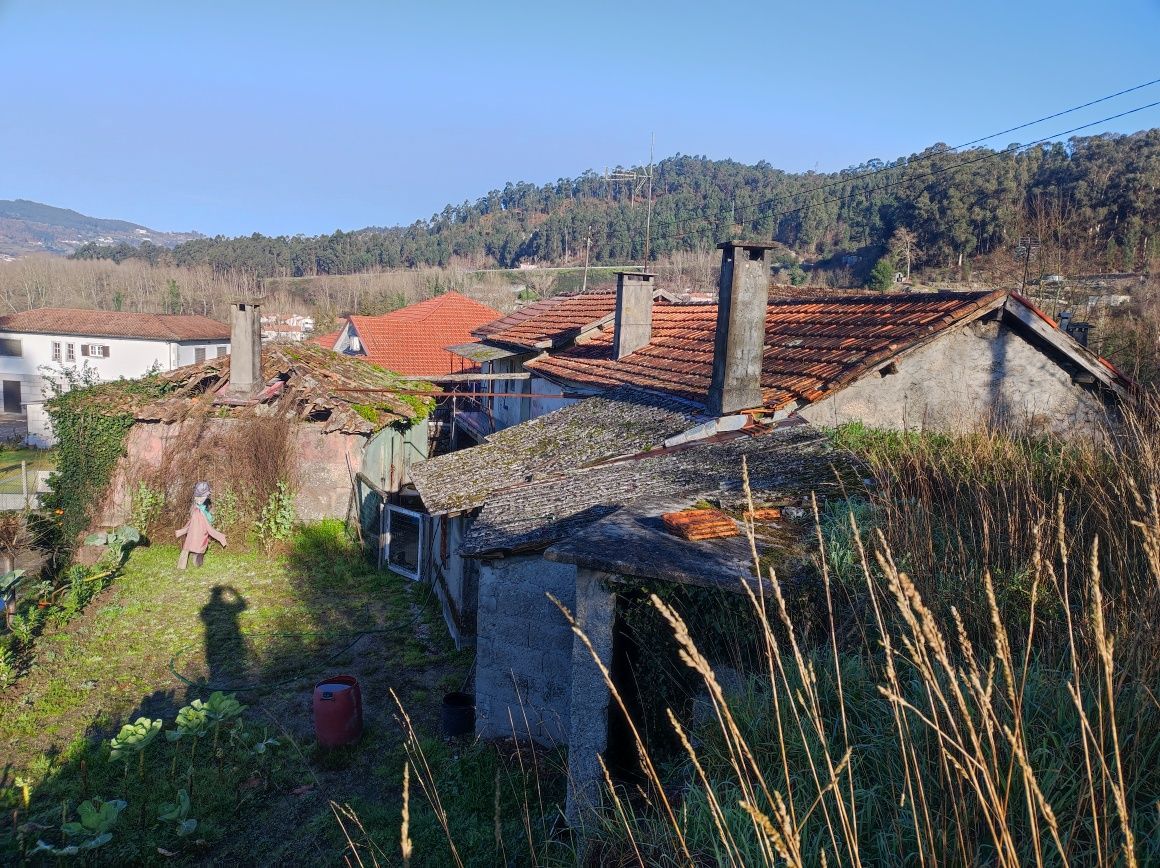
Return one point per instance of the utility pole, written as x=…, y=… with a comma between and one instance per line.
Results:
x=587, y=247
x=648, y=215
x=1027, y=245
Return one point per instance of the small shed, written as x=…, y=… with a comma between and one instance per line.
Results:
x=348, y=430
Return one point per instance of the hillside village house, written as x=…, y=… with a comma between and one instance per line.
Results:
x=113, y=344
x=570, y=502
x=412, y=340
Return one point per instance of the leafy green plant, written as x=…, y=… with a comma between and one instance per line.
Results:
x=146, y=507
x=133, y=739
x=93, y=830
x=118, y=541
x=22, y=627
x=7, y=667
x=227, y=508
x=191, y=722
x=275, y=523
x=178, y=813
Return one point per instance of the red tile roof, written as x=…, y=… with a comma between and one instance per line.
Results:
x=411, y=340
x=327, y=340
x=550, y=323
x=115, y=324
x=812, y=345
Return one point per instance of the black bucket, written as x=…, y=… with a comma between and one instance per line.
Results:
x=458, y=714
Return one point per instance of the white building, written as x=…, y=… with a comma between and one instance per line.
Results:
x=114, y=344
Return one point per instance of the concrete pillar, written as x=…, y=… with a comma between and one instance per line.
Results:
x=588, y=732
x=742, y=297
x=634, y=303
x=246, y=348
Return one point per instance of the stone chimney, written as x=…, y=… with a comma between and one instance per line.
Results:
x=246, y=349
x=742, y=296
x=634, y=304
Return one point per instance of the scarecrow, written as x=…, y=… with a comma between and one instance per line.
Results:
x=199, y=529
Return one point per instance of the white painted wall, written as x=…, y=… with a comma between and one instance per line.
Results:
x=127, y=358
x=506, y=408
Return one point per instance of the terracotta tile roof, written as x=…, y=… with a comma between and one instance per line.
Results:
x=551, y=322
x=412, y=340
x=115, y=324
x=812, y=345
x=328, y=340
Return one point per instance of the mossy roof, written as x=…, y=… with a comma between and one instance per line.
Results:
x=621, y=422
x=306, y=381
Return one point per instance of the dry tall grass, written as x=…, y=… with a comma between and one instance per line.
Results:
x=985, y=692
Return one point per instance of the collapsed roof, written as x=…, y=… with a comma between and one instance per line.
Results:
x=305, y=381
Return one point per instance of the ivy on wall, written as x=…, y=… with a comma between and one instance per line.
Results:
x=90, y=425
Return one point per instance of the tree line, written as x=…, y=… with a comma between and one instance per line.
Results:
x=1090, y=203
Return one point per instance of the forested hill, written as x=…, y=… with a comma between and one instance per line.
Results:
x=32, y=227
x=1093, y=200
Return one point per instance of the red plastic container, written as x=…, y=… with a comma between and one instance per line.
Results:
x=338, y=716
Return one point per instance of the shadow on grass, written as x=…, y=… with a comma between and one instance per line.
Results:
x=270, y=630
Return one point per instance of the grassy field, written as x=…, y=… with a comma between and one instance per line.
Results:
x=10, y=463
x=269, y=629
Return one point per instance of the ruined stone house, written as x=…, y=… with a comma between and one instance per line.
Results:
x=355, y=429
x=568, y=502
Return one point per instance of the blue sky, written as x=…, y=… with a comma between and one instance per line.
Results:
x=285, y=117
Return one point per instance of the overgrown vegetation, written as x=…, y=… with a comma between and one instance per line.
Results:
x=972, y=682
x=91, y=439
x=82, y=724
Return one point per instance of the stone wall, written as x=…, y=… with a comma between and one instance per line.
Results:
x=324, y=482
x=523, y=668
x=983, y=373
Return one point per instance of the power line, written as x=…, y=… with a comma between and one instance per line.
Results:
x=924, y=157
x=906, y=180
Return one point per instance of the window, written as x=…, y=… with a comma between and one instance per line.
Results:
x=11, y=347
x=56, y=351
x=221, y=351
x=401, y=541
x=70, y=352
x=95, y=351
x=199, y=354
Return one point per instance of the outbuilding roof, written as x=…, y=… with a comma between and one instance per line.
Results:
x=787, y=460
x=621, y=422
x=812, y=346
x=413, y=340
x=115, y=324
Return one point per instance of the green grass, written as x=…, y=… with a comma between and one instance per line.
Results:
x=10, y=460
x=301, y=613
